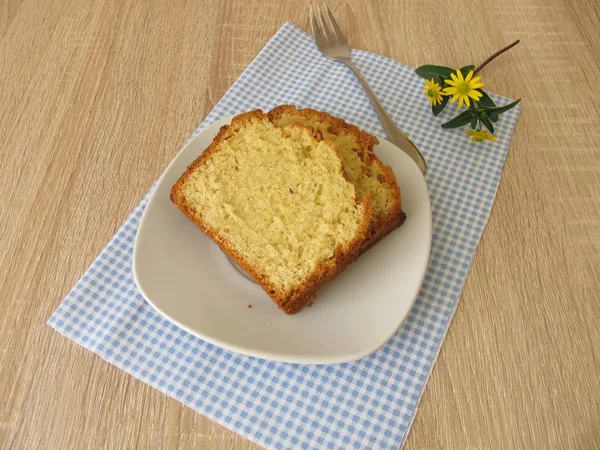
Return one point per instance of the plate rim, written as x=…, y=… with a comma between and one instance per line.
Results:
x=269, y=355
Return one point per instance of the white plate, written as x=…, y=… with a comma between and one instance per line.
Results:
x=187, y=278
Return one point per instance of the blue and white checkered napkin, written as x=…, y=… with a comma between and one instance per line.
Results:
x=365, y=404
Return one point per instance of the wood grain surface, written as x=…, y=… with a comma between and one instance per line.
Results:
x=97, y=97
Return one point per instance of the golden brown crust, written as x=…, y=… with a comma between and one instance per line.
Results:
x=379, y=226
x=300, y=296
x=367, y=141
x=383, y=226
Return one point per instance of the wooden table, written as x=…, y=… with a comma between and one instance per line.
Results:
x=97, y=97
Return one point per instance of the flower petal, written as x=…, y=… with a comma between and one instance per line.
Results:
x=469, y=76
x=474, y=95
x=454, y=77
x=467, y=101
x=476, y=85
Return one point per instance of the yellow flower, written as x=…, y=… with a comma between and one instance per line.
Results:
x=481, y=135
x=463, y=88
x=433, y=92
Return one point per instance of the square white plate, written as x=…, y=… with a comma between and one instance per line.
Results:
x=187, y=278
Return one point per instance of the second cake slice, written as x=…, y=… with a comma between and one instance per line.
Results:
x=367, y=173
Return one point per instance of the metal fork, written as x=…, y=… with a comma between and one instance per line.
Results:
x=331, y=42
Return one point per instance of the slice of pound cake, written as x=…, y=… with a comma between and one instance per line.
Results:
x=370, y=177
x=277, y=201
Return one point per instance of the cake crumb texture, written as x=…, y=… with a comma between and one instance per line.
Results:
x=277, y=200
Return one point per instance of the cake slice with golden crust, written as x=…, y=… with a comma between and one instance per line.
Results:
x=277, y=201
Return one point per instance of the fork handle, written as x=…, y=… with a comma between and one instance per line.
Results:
x=395, y=135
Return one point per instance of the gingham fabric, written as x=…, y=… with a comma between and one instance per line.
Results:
x=365, y=404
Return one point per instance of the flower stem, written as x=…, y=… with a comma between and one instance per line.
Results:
x=494, y=56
